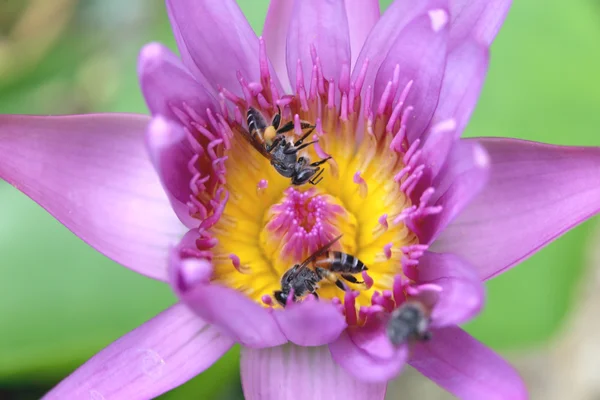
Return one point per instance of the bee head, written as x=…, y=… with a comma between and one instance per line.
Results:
x=281, y=297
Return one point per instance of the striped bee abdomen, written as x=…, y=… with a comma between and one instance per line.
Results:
x=336, y=261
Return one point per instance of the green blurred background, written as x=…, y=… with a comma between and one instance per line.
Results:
x=60, y=301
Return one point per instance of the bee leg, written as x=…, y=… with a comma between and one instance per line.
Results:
x=275, y=143
x=323, y=161
x=351, y=278
x=276, y=119
x=341, y=285
x=315, y=179
x=288, y=126
x=297, y=149
x=316, y=295
x=301, y=140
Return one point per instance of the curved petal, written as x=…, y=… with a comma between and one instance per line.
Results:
x=311, y=323
x=184, y=53
x=535, y=193
x=159, y=355
x=369, y=356
x=466, y=368
x=323, y=24
x=362, y=17
x=274, y=33
x=170, y=153
x=387, y=31
x=462, y=294
x=292, y=372
x=187, y=270
x=92, y=173
x=463, y=177
x=419, y=54
x=437, y=146
x=166, y=84
x=465, y=73
x=235, y=315
x=478, y=19
x=219, y=40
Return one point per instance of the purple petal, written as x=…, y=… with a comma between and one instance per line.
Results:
x=159, y=355
x=219, y=40
x=478, y=19
x=311, y=323
x=466, y=68
x=93, y=174
x=184, y=271
x=368, y=355
x=535, y=193
x=420, y=54
x=292, y=372
x=362, y=17
x=166, y=83
x=437, y=147
x=462, y=293
x=466, y=368
x=463, y=177
x=170, y=154
x=387, y=31
x=235, y=315
x=323, y=24
x=275, y=33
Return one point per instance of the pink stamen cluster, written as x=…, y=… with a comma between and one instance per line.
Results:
x=304, y=221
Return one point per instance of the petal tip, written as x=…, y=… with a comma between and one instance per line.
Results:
x=439, y=19
x=481, y=157
x=149, y=55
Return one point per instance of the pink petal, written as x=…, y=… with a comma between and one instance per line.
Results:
x=420, y=53
x=159, y=355
x=311, y=323
x=93, y=174
x=235, y=315
x=466, y=368
x=368, y=355
x=292, y=372
x=275, y=33
x=362, y=17
x=465, y=73
x=170, y=153
x=463, y=177
x=535, y=193
x=387, y=31
x=478, y=19
x=218, y=39
x=462, y=293
x=167, y=84
x=323, y=24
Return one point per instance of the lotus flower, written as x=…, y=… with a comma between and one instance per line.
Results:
x=430, y=214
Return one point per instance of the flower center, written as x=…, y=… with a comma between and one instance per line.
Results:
x=304, y=221
x=255, y=225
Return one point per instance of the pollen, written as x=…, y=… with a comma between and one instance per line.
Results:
x=269, y=134
x=370, y=192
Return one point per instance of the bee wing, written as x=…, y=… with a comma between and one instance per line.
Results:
x=255, y=143
x=254, y=135
x=319, y=252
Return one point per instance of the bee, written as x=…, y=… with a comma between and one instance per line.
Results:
x=304, y=278
x=270, y=142
x=410, y=321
